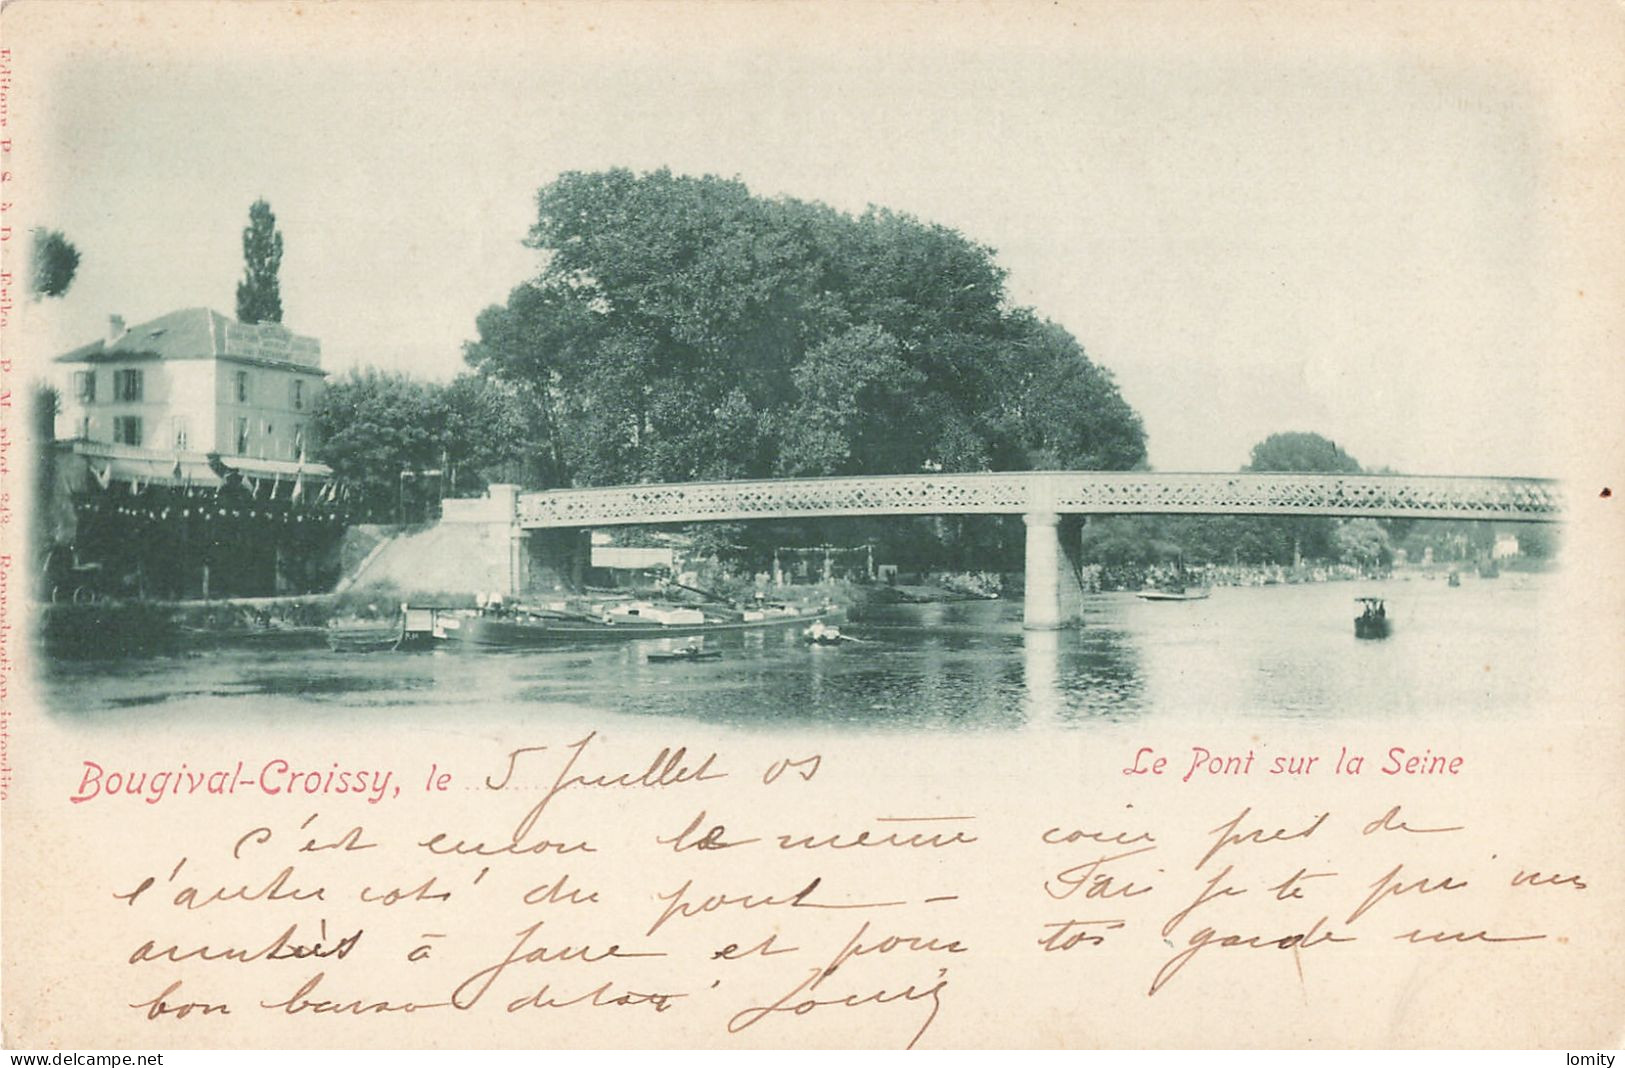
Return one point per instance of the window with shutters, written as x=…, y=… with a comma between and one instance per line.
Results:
x=127, y=430
x=127, y=385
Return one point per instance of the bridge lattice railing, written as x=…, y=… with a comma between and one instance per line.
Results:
x=1061, y=492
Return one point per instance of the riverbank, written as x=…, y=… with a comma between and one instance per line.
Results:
x=108, y=630
x=111, y=630
x=122, y=629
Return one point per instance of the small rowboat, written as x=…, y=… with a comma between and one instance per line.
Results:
x=1186, y=593
x=693, y=652
x=821, y=633
x=364, y=640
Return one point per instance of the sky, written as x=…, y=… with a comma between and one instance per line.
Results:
x=1256, y=228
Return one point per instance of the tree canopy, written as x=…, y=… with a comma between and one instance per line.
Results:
x=1364, y=543
x=372, y=425
x=1298, y=451
x=682, y=328
x=259, y=295
x=53, y=262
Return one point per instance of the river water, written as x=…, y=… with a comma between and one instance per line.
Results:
x=1469, y=653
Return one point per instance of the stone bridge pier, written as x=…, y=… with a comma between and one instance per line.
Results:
x=1054, y=569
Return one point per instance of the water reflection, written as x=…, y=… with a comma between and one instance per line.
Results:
x=1290, y=652
x=1041, y=661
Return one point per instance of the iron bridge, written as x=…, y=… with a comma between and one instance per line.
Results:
x=1051, y=493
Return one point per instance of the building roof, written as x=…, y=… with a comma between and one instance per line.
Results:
x=204, y=334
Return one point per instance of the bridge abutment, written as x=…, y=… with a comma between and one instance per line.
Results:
x=1054, y=593
x=502, y=556
x=557, y=559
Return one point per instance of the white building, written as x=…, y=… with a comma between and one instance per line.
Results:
x=153, y=400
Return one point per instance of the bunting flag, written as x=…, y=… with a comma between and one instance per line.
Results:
x=135, y=486
x=205, y=514
x=254, y=487
x=104, y=477
x=298, y=486
x=175, y=472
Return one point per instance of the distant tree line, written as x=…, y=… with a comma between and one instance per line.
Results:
x=1281, y=541
x=1249, y=540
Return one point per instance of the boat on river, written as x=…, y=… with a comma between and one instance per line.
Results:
x=692, y=652
x=1372, y=622
x=365, y=639
x=1175, y=593
x=523, y=627
x=259, y=637
x=1180, y=585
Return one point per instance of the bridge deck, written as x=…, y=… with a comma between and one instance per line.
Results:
x=1059, y=492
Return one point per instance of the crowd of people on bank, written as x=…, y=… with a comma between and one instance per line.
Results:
x=1105, y=577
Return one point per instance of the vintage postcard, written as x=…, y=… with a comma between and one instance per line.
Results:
x=900, y=525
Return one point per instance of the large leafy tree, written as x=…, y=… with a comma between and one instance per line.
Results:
x=854, y=408
x=259, y=295
x=1363, y=543
x=53, y=261
x=1056, y=408
x=682, y=328
x=1298, y=451
x=374, y=425
x=515, y=338
x=488, y=436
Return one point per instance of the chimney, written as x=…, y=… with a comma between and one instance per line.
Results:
x=115, y=329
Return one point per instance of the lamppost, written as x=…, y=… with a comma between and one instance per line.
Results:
x=406, y=473
x=400, y=512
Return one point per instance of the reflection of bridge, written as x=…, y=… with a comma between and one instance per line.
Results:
x=1054, y=594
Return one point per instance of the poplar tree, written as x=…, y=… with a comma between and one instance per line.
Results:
x=259, y=298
